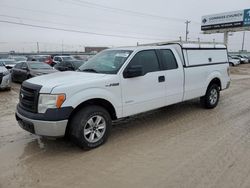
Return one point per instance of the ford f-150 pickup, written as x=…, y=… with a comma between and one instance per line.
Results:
x=118, y=83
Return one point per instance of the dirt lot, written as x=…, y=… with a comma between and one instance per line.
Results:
x=178, y=146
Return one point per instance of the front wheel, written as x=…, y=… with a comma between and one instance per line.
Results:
x=90, y=127
x=211, y=99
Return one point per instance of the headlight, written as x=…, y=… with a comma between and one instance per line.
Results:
x=50, y=101
x=6, y=73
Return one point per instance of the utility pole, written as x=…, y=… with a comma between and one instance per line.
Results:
x=243, y=41
x=187, y=32
x=37, y=46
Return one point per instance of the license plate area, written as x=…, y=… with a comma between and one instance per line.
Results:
x=28, y=126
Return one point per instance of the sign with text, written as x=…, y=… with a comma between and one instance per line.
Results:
x=226, y=20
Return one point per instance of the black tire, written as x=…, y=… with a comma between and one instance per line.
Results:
x=231, y=64
x=78, y=130
x=211, y=99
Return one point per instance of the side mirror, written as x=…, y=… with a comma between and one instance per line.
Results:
x=133, y=71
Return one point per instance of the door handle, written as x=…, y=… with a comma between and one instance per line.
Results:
x=161, y=79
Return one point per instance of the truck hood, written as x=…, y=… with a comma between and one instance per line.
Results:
x=50, y=81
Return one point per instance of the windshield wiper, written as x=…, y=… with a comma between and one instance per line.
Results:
x=89, y=70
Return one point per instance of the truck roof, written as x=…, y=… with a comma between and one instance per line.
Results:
x=198, y=45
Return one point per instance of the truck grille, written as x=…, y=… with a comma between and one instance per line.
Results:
x=1, y=78
x=28, y=98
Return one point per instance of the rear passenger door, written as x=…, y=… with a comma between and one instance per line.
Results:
x=146, y=92
x=173, y=72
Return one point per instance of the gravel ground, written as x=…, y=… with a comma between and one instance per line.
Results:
x=178, y=146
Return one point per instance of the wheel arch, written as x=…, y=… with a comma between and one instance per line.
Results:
x=95, y=101
x=216, y=81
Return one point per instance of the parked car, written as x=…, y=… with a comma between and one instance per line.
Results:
x=247, y=57
x=18, y=58
x=9, y=63
x=121, y=82
x=68, y=65
x=233, y=62
x=5, y=78
x=57, y=59
x=242, y=59
x=25, y=70
x=42, y=58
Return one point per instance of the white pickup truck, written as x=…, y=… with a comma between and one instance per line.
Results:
x=118, y=83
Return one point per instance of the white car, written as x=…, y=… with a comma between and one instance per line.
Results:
x=118, y=83
x=57, y=59
x=9, y=63
x=242, y=59
x=18, y=58
x=233, y=62
x=5, y=78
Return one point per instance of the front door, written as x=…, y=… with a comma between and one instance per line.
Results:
x=146, y=92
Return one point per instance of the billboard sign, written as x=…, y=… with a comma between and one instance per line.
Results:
x=226, y=20
x=246, y=17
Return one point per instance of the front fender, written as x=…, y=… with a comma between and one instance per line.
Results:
x=93, y=93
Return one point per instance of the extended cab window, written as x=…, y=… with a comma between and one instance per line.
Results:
x=147, y=59
x=168, y=60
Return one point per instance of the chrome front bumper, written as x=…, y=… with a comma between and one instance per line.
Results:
x=42, y=128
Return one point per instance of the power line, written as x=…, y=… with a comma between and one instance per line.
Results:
x=126, y=11
x=45, y=21
x=78, y=31
x=81, y=3
x=103, y=7
x=70, y=16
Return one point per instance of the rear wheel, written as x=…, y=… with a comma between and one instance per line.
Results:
x=211, y=99
x=90, y=127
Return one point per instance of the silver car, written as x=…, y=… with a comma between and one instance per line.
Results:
x=233, y=62
x=5, y=78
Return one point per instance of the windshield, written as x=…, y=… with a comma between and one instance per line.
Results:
x=39, y=66
x=107, y=62
x=19, y=58
x=8, y=61
x=235, y=57
x=67, y=58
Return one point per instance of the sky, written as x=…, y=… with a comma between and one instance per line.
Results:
x=111, y=23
